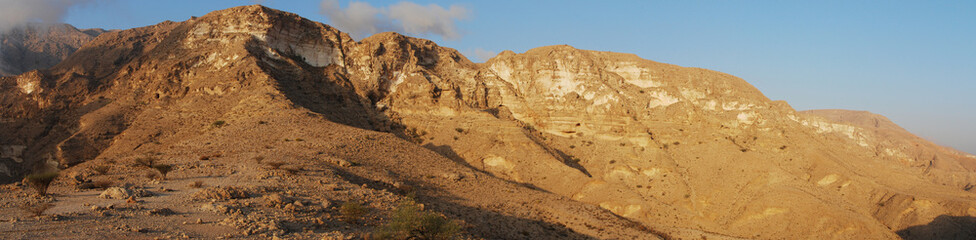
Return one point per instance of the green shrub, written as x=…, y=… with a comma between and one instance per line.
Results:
x=40, y=181
x=409, y=221
x=218, y=123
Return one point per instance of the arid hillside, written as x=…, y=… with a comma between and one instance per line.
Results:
x=274, y=125
x=39, y=46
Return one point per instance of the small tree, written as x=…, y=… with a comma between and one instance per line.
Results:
x=163, y=169
x=40, y=181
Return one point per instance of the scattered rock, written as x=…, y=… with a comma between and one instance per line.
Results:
x=160, y=211
x=332, y=187
x=340, y=162
x=221, y=193
x=337, y=235
x=274, y=199
x=116, y=193
x=213, y=207
x=452, y=176
x=78, y=177
x=124, y=193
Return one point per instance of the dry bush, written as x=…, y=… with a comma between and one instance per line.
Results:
x=163, y=169
x=36, y=209
x=146, y=161
x=100, y=184
x=103, y=183
x=101, y=169
x=352, y=211
x=210, y=157
x=414, y=134
x=218, y=123
x=409, y=221
x=291, y=170
x=40, y=181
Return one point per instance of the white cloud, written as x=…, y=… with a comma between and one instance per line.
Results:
x=362, y=19
x=16, y=13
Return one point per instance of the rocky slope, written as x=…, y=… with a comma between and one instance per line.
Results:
x=555, y=142
x=39, y=46
x=677, y=148
x=255, y=105
x=898, y=145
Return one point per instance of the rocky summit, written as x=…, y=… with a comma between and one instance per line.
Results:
x=250, y=122
x=39, y=46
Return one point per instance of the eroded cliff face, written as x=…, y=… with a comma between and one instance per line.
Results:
x=684, y=149
x=688, y=152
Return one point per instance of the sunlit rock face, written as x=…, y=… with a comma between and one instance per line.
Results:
x=684, y=149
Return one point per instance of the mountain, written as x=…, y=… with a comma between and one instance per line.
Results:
x=897, y=144
x=553, y=143
x=220, y=98
x=39, y=46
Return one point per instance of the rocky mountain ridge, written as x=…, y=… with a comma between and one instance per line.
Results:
x=40, y=46
x=685, y=152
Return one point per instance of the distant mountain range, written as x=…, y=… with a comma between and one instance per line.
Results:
x=40, y=46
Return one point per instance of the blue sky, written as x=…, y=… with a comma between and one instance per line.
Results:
x=913, y=61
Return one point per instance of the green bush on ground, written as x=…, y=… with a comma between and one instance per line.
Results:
x=409, y=221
